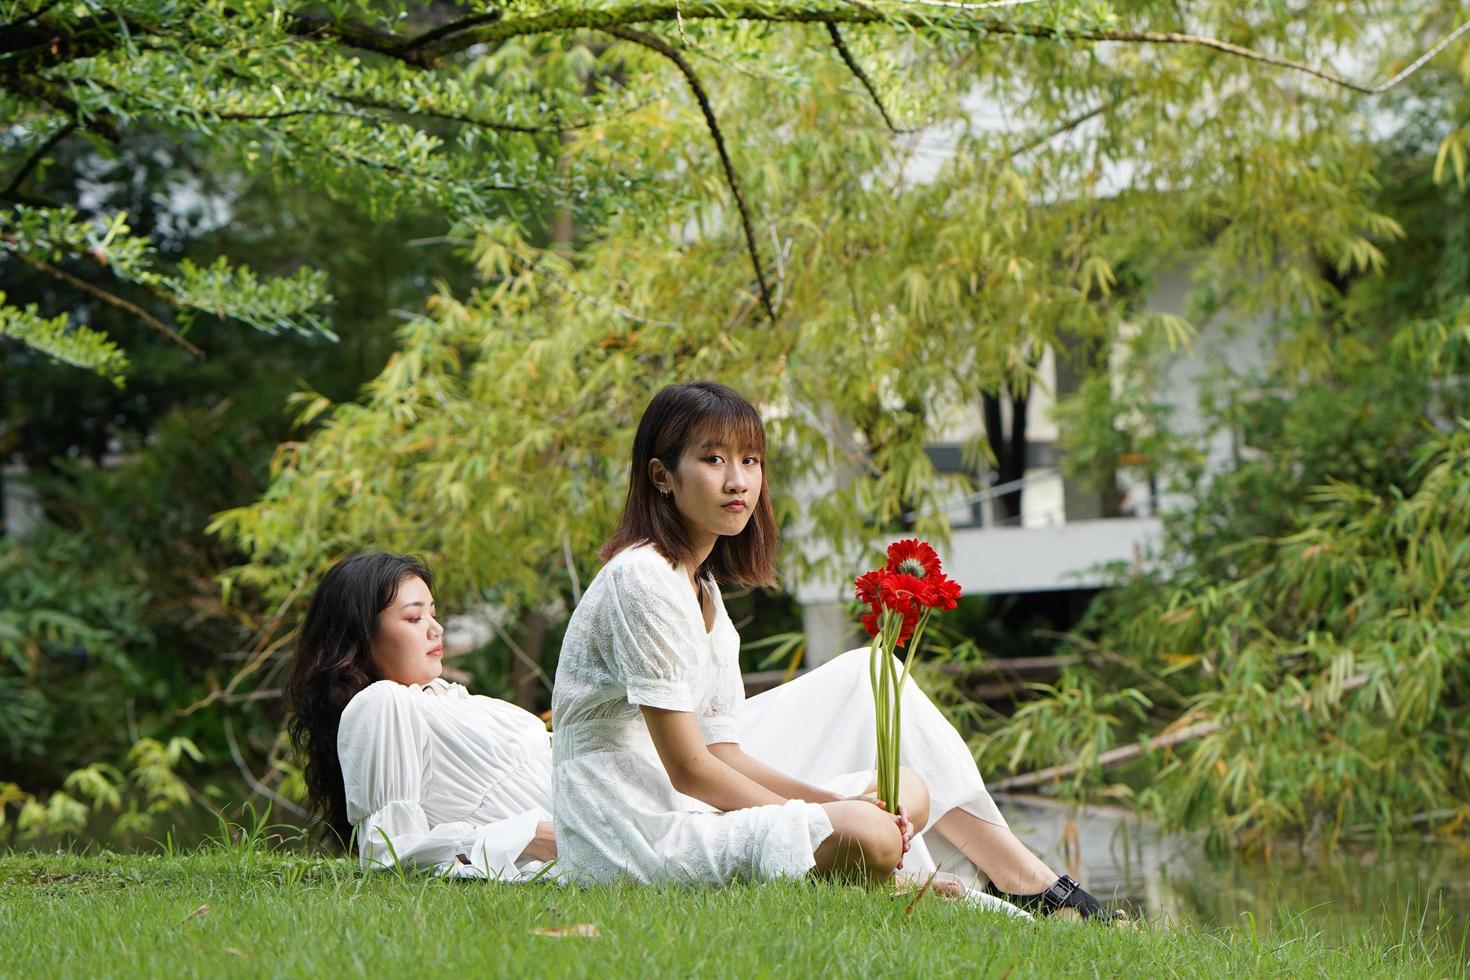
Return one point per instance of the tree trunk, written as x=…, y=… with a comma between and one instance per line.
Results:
x=1009, y=450
x=526, y=673
x=525, y=681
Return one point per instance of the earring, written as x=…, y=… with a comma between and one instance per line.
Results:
x=664, y=491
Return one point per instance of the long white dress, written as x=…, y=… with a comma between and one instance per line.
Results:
x=440, y=777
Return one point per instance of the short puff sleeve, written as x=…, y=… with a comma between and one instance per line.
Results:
x=721, y=720
x=651, y=638
x=383, y=746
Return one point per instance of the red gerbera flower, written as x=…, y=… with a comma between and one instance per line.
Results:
x=872, y=621
x=898, y=590
x=913, y=557
x=906, y=596
x=868, y=583
x=945, y=592
x=885, y=591
x=900, y=596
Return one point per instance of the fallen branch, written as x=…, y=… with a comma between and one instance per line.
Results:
x=1017, y=667
x=1127, y=753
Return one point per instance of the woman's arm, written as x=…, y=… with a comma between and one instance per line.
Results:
x=788, y=787
x=792, y=788
x=697, y=772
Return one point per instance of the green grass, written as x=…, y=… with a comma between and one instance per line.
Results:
x=270, y=913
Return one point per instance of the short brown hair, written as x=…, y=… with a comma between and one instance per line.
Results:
x=676, y=415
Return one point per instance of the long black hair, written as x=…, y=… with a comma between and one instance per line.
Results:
x=334, y=662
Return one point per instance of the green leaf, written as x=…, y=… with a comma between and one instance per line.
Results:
x=63, y=340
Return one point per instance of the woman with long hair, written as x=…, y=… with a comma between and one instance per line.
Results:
x=411, y=767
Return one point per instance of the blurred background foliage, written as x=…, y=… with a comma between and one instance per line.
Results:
x=476, y=255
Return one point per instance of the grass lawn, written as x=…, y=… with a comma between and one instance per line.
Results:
x=238, y=912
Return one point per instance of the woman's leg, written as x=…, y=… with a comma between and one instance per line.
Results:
x=997, y=852
x=822, y=723
x=862, y=834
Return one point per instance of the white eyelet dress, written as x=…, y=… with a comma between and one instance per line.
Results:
x=637, y=638
x=432, y=773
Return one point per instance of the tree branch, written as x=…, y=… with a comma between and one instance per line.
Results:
x=11, y=25
x=43, y=44
x=449, y=116
x=836, y=34
x=756, y=10
x=659, y=45
x=111, y=299
x=365, y=38
x=231, y=115
x=1066, y=126
x=270, y=116
x=35, y=159
x=447, y=30
x=256, y=784
x=398, y=171
x=28, y=200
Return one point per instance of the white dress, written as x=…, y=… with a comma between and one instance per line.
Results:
x=438, y=773
x=637, y=639
x=437, y=777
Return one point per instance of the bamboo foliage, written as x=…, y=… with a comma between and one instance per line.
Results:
x=1307, y=618
x=506, y=413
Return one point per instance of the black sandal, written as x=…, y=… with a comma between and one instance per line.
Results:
x=1065, y=893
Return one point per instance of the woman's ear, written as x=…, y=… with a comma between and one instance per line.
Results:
x=659, y=474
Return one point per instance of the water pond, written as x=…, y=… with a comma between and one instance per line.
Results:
x=1412, y=886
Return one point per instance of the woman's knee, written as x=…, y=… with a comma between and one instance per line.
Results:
x=878, y=838
x=864, y=839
